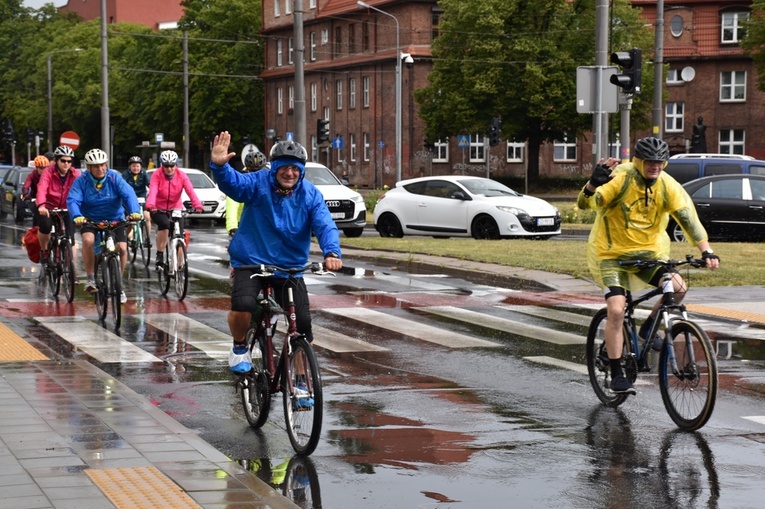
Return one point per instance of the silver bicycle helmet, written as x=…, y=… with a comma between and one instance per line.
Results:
x=135, y=159
x=254, y=160
x=63, y=151
x=651, y=149
x=96, y=156
x=168, y=157
x=289, y=149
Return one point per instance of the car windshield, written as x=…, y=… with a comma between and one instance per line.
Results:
x=320, y=176
x=200, y=181
x=487, y=187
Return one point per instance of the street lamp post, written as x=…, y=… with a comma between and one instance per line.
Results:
x=50, y=95
x=398, y=84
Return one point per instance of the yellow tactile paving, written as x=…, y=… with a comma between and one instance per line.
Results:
x=14, y=348
x=726, y=313
x=140, y=487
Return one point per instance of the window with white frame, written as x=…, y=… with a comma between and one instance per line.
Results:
x=351, y=93
x=367, y=148
x=477, y=149
x=314, y=149
x=674, y=114
x=733, y=30
x=732, y=141
x=290, y=50
x=339, y=94
x=277, y=8
x=324, y=36
x=732, y=86
x=313, y=96
x=280, y=100
x=365, y=86
x=673, y=77
x=287, y=6
x=441, y=151
x=312, y=46
x=515, y=151
x=352, y=147
x=278, y=53
x=311, y=4
x=291, y=97
x=564, y=150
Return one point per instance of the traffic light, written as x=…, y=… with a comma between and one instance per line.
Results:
x=322, y=131
x=9, y=134
x=31, y=132
x=631, y=63
x=494, y=132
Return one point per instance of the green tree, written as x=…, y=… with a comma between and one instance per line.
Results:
x=516, y=59
x=754, y=41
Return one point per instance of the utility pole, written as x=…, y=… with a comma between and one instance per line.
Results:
x=300, y=115
x=600, y=118
x=106, y=145
x=186, y=157
x=658, y=62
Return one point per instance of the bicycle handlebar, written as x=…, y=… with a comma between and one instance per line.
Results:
x=263, y=270
x=643, y=264
x=107, y=225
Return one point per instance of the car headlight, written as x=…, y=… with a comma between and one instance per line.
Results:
x=358, y=199
x=514, y=210
x=222, y=197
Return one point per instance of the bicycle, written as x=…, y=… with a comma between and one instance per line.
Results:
x=175, y=264
x=59, y=271
x=687, y=363
x=141, y=239
x=108, y=270
x=296, y=365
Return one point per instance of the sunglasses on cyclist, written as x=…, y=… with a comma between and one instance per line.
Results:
x=168, y=166
x=66, y=161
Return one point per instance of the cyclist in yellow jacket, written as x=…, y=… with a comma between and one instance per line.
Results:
x=633, y=202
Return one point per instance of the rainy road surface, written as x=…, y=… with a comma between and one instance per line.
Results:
x=439, y=392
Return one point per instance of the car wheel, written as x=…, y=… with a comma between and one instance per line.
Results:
x=485, y=227
x=389, y=226
x=18, y=211
x=353, y=232
x=675, y=232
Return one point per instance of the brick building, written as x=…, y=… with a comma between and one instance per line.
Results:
x=152, y=13
x=350, y=60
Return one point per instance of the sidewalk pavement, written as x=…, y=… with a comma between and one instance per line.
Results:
x=72, y=436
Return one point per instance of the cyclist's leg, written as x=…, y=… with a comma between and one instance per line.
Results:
x=300, y=296
x=44, y=225
x=163, y=222
x=616, y=302
x=120, y=238
x=88, y=257
x=654, y=278
x=244, y=292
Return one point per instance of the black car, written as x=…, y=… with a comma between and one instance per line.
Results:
x=10, y=195
x=731, y=207
x=4, y=169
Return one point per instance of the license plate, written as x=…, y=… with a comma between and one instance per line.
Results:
x=208, y=208
x=338, y=215
x=545, y=221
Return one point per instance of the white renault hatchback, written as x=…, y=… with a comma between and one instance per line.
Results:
x=461, y=206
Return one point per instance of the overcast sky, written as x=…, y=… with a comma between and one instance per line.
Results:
x=36, y=4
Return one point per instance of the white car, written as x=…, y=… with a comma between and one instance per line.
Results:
x=346, y=205
x=460, y=206
x=212, y=198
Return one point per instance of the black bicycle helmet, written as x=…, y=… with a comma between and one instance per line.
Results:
x=254, y=160
x=135, y=159
x=651, y=149
x=289, y=149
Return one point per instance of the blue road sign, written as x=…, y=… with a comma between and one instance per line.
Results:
x=337, y=142
x=290, y=136
x=463, y=141
x=381, y=144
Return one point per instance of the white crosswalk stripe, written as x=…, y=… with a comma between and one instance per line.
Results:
x=211, y=341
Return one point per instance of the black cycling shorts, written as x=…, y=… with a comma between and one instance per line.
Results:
x=120, y=235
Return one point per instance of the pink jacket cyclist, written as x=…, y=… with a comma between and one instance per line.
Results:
x=165, y=192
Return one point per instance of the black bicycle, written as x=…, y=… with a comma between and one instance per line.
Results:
x=175, y=264
x=294, y=373
x=687, y=362
x=108, y=270
x=140, y=240
x=59, y=271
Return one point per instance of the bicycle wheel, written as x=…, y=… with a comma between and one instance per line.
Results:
x=163, y=276
x=256, y=393
x=303, y=417
x=102, y=282
x=115, y=287
x=67, y=270
x=689, y=396
x=598, y=366
x=54, y=267
x=145, y=244
x=181, y=270
x=301, y=483
x=134, y=244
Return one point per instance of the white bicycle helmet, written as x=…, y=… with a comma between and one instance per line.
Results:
x=168, y=157
x=289, y=149
x=63, y=151
x=255, y=160
x=96, y=156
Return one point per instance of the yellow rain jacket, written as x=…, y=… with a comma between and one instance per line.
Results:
x=631, y=221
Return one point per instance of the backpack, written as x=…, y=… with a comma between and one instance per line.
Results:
x=29, y=240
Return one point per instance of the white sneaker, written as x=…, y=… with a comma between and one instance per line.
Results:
x=90, y=286
x=123, y=298
x=240, y=360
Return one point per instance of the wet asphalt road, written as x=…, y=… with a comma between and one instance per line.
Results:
x=420, y=424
